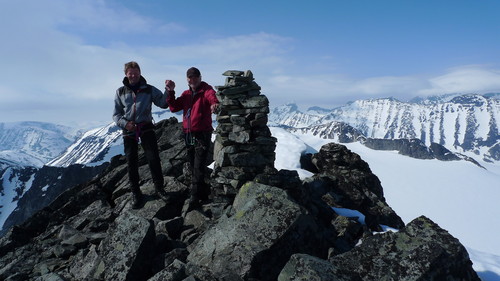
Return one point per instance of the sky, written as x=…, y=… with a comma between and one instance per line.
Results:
x=459, y=196
x=62, y=61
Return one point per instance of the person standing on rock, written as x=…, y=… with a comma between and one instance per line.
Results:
x=198, y=103
x=132, y=113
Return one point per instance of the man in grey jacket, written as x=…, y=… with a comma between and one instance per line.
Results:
x=132, y=113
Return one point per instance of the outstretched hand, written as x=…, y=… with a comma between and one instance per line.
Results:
x=169, y=85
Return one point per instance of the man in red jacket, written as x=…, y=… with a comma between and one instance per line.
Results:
x=198, y=103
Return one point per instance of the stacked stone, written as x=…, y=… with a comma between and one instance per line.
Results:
x=244, y=147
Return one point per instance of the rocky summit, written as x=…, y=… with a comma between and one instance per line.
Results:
x=262, y=225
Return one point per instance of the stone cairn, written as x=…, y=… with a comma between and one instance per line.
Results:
x=244, y=147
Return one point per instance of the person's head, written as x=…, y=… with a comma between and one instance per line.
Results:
x=132, y=72
x=193, y=77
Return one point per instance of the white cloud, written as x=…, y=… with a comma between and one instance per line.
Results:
x=52, y=61
x=465, y=79
x=387, y=86
x=334, y=90
x=49, y=67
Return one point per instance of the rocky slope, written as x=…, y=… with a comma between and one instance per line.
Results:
x=34, y=188
x=277, y=227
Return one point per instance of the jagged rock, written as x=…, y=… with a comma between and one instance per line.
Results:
x=349, y=183
x=126, y=252
x=66, y=232
x=171, y=227
x=233, y=73
x=442, y=153
x=420, y=251
x=306, y=163
x=163, y=260
x=254, y=242
x=87, y=266
x=303, y=267
x=55, y=180
x=173, y=272
x=410, y=147
x=64, y=251
x=50, y=277
x=78, y=241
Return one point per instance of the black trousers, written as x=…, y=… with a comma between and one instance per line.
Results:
x=198, y=146
x=150, y=146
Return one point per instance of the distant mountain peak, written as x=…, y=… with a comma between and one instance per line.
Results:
x=318, y=110
x=34, y=143
x=463, y=123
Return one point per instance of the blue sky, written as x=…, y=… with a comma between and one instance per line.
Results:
x=62, y=60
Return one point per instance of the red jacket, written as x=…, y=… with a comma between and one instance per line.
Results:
x=197, y=116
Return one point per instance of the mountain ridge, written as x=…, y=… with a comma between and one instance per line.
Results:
x=99, y=145
x=32, y=143
x=463, y=124
x=90, y=231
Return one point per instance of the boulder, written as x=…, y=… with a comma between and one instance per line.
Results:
x=302, y=267
x=126, y=252
x=346, y=181
x=265, y=228
x=420, y=251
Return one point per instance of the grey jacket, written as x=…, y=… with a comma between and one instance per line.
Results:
x=137, y=107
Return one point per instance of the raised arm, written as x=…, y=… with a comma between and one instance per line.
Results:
x=175, y=104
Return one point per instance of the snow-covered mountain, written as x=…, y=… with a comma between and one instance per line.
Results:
x=465, y=124
x=25, y=190
x=14, y=183
x=289, y=115
x=462, y=123
x=92, y=148
x=33, y=143
x=98, y=145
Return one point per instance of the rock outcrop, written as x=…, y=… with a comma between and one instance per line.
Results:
x=344, y=180
x=44, y=185
x=274, y=227
x=420, y=251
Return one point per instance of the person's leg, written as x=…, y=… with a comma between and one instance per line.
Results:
x=193, y=201
x=151, y=151
x=190, y=150
x=131, y=154
x=201, y=150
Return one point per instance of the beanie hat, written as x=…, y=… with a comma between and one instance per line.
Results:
x=193, y=72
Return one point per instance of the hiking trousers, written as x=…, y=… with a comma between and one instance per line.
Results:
x=198, y=145
x=150, y=147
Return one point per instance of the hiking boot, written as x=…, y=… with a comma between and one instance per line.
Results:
x=162, y=193
x=137, y=199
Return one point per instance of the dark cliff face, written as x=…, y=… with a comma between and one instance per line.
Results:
x=277, y=227
x=48, y=183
